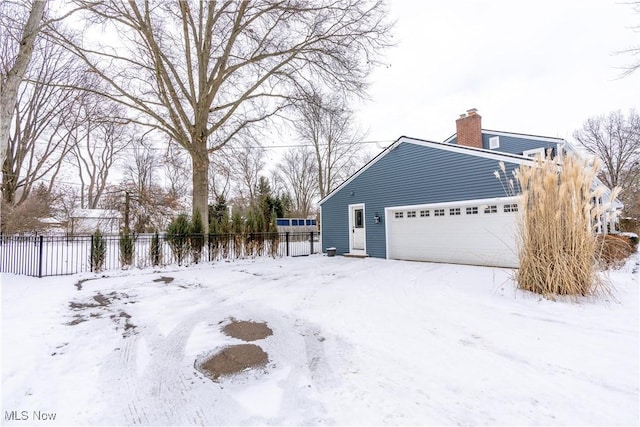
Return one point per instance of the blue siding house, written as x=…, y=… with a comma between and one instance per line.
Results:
x=435, y=201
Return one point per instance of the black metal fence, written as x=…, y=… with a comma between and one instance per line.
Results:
x=42, y=256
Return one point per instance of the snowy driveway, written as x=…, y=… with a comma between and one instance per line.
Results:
x=354, y=342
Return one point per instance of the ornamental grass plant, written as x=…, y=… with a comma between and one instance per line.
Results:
x=558, y=245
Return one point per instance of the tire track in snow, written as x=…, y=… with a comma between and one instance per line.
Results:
x=168, y=380
x=166, y=390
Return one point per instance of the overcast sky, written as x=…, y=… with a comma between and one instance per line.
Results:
x=540, y=67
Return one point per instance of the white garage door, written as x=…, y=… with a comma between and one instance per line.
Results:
x=480, y=232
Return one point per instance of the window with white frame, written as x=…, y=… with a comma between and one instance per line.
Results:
x=411, y=214
x=494, y=142
x=438, y=212
x=472, y=210
x=454, y=211
x=536, y=152
x=398, y=214
x=511, y=207
x=491, y=209
x=424, y=213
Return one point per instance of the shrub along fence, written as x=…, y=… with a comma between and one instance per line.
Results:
x=42, y=256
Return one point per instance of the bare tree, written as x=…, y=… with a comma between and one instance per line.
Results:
x=28, y=216
x=326, y=123
x=20, y=25
x=44, y=119
x=140, y=197
x=221, y=175
x=298, y=170
x=177, y=171
x=17, y=57
x=66, y=204
x=99, y=144
x=142, y=165
x=204, y=72
x=247, y=166
x=635, y=50
x=615, y=139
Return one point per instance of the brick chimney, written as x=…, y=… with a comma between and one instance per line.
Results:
x=469, y=129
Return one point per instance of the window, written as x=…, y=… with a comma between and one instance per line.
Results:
x=511, y=208
x=359, y=218
x=472, y=210
x=282, y=222
x=494, y=142
x=491, y=209
x=438, y=212
x=534, y=153
x=411, y=214
x=424, y=213
x=454, y=211
x=399, y=214
x=294, y=222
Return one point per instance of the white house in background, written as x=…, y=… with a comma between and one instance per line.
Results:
x=86, y=221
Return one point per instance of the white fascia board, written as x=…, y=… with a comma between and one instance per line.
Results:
x=522, y=136
x=459, y=203
x=514, y=135
x=476, y=152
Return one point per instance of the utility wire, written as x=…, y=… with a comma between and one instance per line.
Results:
x=265, y=147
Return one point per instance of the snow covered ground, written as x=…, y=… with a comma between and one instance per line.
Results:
x=355, y=341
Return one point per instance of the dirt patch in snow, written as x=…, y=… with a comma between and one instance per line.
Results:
x=164, y=279
x=247, y=331
x=99, y=305
x=237, y=358
x=234, y=359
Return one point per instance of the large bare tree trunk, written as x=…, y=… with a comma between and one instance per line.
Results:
x=10, y=83
x=200, y=163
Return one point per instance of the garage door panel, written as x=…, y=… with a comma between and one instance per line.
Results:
x=479, y=239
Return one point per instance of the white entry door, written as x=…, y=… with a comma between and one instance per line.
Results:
x=357, y=229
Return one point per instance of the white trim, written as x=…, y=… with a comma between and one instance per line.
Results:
x=457, y=203
x=472, y=151
x=477, y=152
x=364, y=229
x=523, y=136
x=321, y=233
x=535, y=152
x=386, y=233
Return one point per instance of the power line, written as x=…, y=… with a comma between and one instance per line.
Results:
x=380, y=143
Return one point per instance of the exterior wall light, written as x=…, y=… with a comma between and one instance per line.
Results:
x=376, y=218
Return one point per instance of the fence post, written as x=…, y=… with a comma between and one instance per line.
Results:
x=91, y=255
x=40, y=257
x=287, y=240
x=311, y=240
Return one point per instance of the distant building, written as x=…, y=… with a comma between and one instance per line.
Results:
x=87, y=221
x=297, y=224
